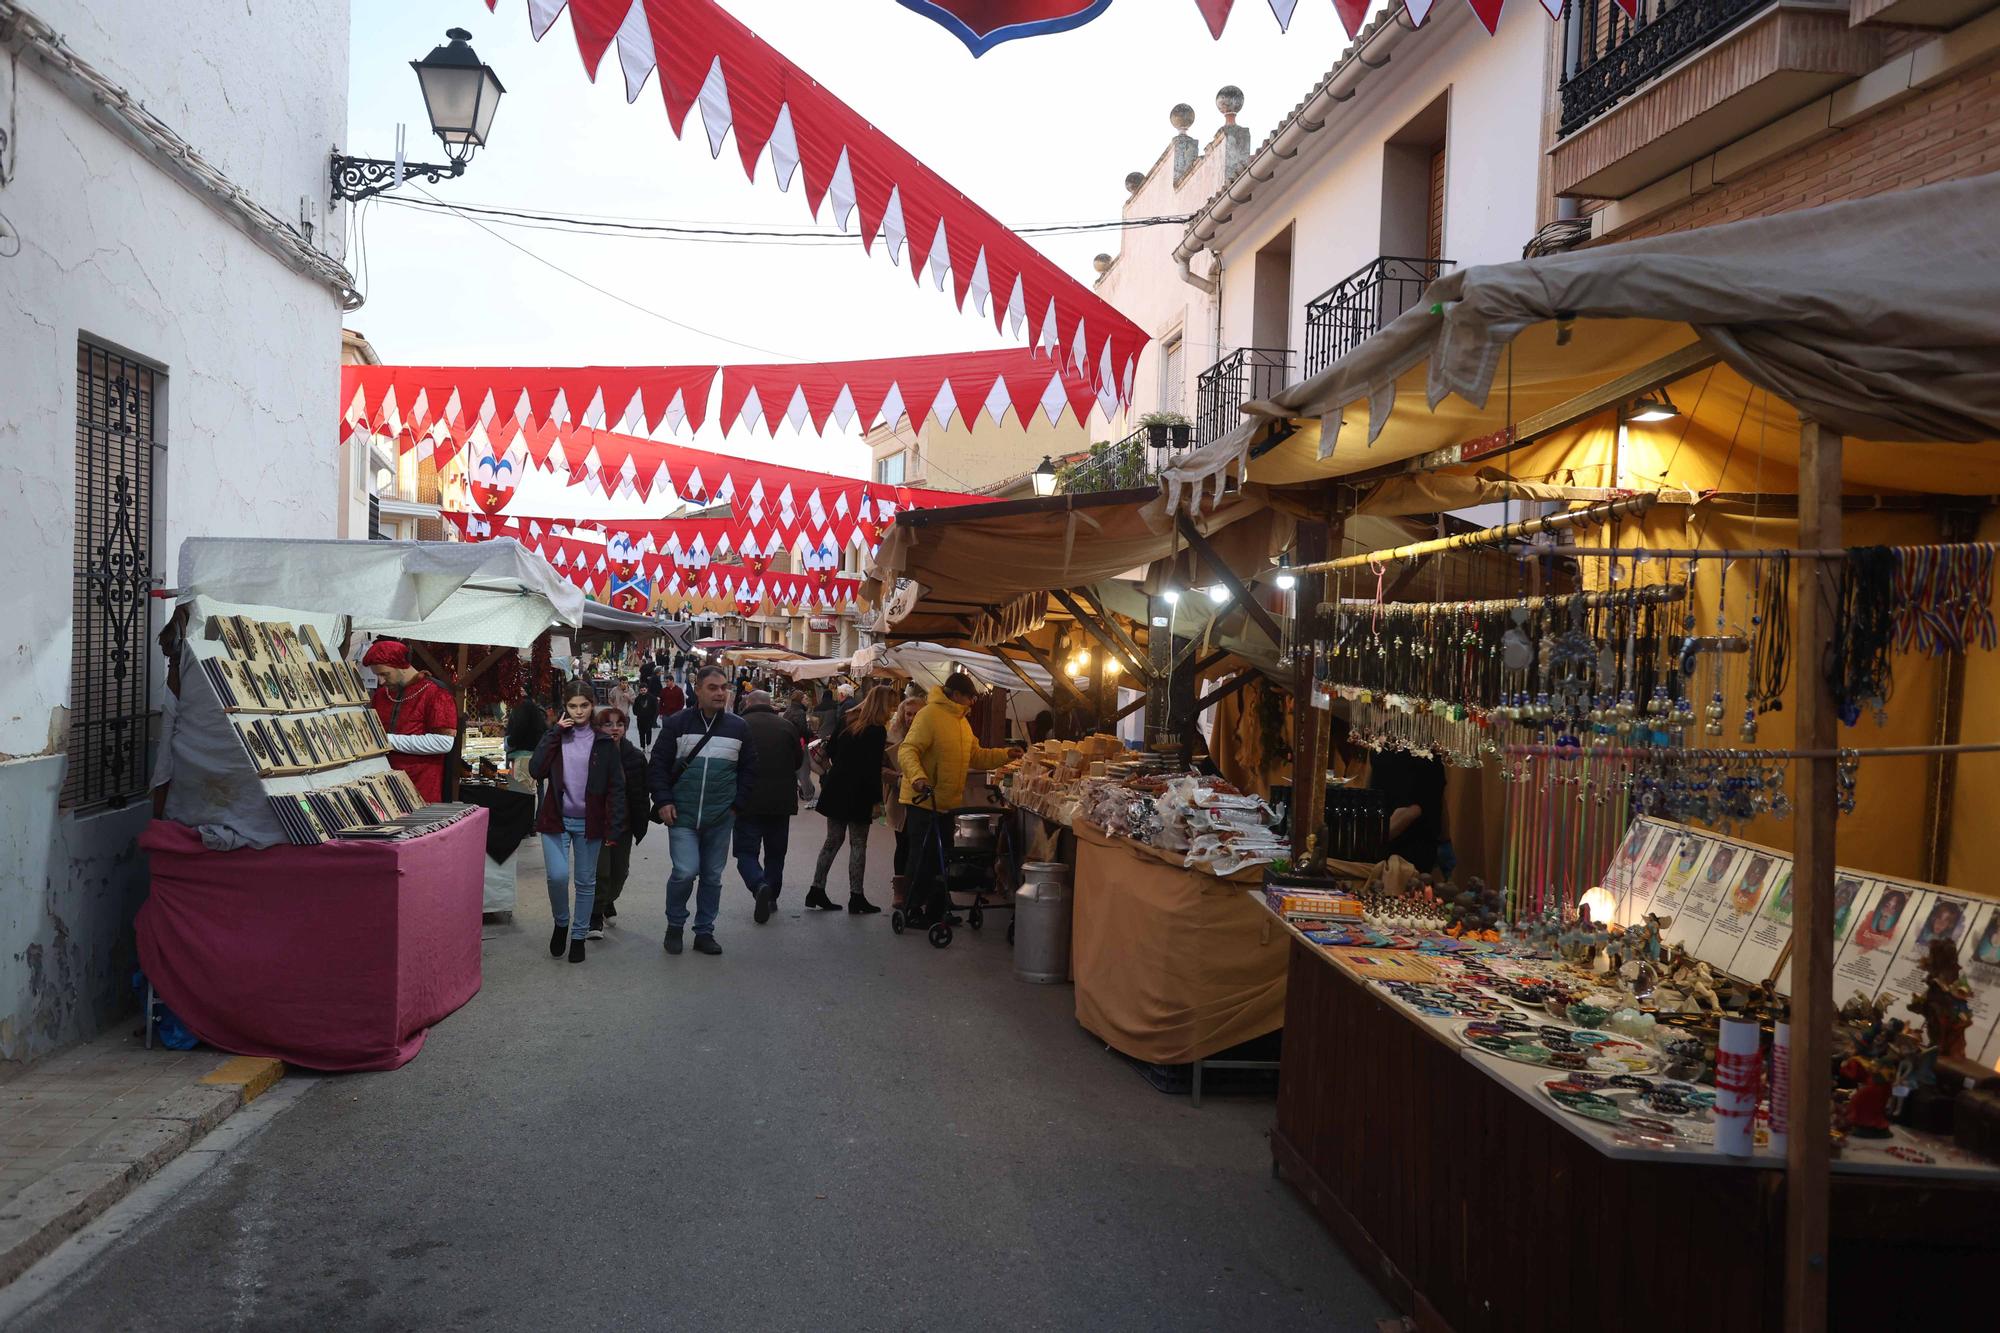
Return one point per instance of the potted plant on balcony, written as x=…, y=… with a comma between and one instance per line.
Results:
x=1164, y=427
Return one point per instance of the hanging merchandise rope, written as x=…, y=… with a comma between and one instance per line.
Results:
x=1506, y=532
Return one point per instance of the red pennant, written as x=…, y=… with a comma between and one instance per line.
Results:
x=1217, y=14
x=1489, y=13
x=1354, y=13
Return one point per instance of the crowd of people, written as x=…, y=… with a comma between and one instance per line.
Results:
x=724, y=761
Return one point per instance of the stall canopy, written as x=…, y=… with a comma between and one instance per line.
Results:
x=969, y=569
x=440, y=592
x=1877, y=318
x=601, y=619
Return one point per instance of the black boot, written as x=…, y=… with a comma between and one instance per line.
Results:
x=817, y=900
x=559, y=941
x=858, y=905
x=576, y=951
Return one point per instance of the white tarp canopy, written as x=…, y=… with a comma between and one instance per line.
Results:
x=816, y=669
x=493, y=592
x=930, y=663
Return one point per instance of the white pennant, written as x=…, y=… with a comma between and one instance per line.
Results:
x=635, y=49
x=1418, y=10
x=1282, y=10
x=784, y=147
x=714, y=100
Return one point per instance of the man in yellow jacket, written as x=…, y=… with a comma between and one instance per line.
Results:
x=934, y=757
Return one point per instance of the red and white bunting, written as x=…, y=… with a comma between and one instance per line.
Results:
x=417, y=399
x=1354, y=13
x=708, y=59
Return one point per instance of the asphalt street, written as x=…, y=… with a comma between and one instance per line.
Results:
x=828, y=1127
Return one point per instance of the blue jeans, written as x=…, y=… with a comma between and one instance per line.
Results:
x=703, y=852
x=772, y=835
x=556, y=849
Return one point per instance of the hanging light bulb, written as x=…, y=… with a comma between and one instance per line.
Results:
x=1218, y=593
x=1171, y=593
x=1286, y=579
x=1112, y=666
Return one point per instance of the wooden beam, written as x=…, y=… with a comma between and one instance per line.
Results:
x=1035, y=656
x=1653, y=375
x=1100, y=634
x=1051, y=504
x=1026, y=679
x=1129, y=709
x=1221, y=692
x=1954, y=525
x=1310, y=736
x=1806, y=1159
x=1109, y=619
x=1251, y=606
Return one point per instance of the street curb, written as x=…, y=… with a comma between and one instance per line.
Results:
x=46, y=1213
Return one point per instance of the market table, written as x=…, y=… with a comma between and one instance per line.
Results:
x=1172, y=965
x=1475, y=1203
x=337, y=957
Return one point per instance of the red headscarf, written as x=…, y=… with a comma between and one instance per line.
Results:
x=386, y=653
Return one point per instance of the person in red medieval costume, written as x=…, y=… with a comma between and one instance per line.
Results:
x=418, y=714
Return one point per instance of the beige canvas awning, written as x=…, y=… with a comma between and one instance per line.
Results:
x=1879, y=318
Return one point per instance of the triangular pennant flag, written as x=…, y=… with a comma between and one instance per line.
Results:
x=1217, y=14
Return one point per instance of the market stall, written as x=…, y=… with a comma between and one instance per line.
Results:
x=306, y=903
x=1736, y=530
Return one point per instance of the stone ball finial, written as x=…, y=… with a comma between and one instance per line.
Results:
x=1102, y=263
x=1229, y=101
x=1181, y=116
x=1133, y=180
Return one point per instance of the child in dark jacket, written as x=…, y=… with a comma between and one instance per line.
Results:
x=614, y=860
x=583, y=807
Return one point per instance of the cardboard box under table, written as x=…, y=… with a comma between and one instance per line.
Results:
x=1172, y=965
x=338, y=957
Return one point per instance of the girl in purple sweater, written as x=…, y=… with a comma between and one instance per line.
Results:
x=583, y=807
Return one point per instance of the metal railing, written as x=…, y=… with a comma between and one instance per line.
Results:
x=1612, y=54
x=1246, y=373
x=1354, y=309
x=1129, y=463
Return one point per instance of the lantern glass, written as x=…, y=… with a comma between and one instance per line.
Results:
x=460, y=93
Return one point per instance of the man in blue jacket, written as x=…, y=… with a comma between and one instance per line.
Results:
x=702, y=770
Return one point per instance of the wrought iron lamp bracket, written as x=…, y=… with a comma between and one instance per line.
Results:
x=357, y=178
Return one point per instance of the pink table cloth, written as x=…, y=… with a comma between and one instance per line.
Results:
x=334, y=957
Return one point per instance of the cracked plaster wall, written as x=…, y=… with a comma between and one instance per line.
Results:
x=112, y=248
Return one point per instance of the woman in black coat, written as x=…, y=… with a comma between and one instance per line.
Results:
x=849, y=791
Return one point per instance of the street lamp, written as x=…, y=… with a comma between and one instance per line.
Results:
x=461, y=93
x=1044, y=477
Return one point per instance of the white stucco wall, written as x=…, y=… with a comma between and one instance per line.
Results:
x=1333, y=189
x=112, y=248
x=1145, y=285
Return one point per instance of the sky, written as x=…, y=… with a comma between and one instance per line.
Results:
x=1041, y=130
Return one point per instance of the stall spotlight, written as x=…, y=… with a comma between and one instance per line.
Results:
x=1286, y=579
x=1653, y=407
x=1172, y=595
x=1218, y=593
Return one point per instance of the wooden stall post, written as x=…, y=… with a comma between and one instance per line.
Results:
x=1807, y=1185
x=1311, y=734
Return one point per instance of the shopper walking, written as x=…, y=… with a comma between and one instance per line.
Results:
x=614, y=859
x=849, y=797
x=799, y=713
x=672, y=700
x=583, y=807
x=934, y=758
x=907, y=709
x=702, y=770
x=764, y=825
x=646, y=711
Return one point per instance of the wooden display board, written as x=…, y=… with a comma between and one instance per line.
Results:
x=1731, y=907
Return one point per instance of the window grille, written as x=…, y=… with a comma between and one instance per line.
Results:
x=111, y=655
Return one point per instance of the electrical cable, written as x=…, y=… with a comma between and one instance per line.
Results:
x=603, y=291
x=727, y=233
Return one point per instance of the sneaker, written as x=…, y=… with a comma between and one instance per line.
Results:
x=706, y=944
x=576, y=951
x=763, y=913
x=559, y=941
x=596, y=931
x=673, y=940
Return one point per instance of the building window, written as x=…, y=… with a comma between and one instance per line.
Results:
x=889, y=468
x=1173, y=375
x=111, y=655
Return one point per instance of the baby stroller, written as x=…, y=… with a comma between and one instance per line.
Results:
x=968, y=870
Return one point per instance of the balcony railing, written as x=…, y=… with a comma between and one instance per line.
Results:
x=1613, y=55
x=1354, y=309
x=1246, y=373
x=1126, y=465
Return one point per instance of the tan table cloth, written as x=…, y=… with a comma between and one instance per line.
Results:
x=1171, y=964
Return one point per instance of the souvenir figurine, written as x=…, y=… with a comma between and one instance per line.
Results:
x=1872, y=1072
x=1946, y=1001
